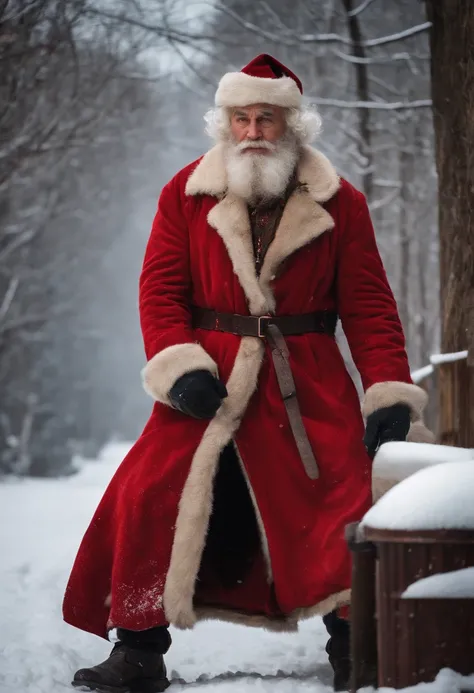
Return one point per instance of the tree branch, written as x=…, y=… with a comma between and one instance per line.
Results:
x=295, y=39
x=363, y=6
x=376, y=105
x=8, y=298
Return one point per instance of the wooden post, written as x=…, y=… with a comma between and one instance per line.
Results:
x=457, y=411
x=363, y=620
x=418, y=638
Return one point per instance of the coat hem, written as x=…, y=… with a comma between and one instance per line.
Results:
x=195, y=505
x=287, y=623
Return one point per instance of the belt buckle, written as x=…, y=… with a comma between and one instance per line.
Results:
x=259, y=325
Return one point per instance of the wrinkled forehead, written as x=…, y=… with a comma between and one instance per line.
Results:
x=258, y=109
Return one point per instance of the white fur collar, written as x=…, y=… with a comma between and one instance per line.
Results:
x=303, y=220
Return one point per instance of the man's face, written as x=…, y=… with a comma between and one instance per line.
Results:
x=261, y=152
x=255, y=123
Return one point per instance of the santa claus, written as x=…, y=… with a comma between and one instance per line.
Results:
x=233, y=502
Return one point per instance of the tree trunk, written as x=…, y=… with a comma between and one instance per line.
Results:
x=405, y=164
x=452, y=74
x=362, y=86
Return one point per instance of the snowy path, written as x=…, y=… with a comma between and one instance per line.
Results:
x=41, y=525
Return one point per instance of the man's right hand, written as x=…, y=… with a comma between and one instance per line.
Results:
x=198, y=394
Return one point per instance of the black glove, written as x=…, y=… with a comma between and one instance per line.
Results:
x=198, y=394
x=387, y=424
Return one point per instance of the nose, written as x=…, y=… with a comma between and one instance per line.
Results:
x=253, y=132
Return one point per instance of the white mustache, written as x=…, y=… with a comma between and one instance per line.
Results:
x=255, y=144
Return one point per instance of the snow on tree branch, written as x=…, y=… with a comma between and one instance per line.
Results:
x=436, y=359
x=369, y=43
x=422, y=373
x=376, y=105
x=363, y=6
x=8, y=298
x=379, y=59
x=296, y=38
x=400, y=36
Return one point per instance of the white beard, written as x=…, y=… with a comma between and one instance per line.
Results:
x=255, y=177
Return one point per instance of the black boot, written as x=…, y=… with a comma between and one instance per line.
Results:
x=135, y=665
x=339, y=650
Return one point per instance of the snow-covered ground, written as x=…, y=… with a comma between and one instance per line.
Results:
x=41, y=524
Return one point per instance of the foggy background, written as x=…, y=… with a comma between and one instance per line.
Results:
x=101, y=103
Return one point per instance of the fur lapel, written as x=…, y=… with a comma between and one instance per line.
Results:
x=303, y=220
x=231, y=221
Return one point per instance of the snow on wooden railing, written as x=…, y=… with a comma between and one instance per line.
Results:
x=436, y=360
x=438, y=495
x=454, y=584
x=399, y=460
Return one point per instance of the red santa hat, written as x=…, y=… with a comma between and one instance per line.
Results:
x=263, y=80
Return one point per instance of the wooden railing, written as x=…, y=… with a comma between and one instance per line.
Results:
x=449, y=381
x=419, y=375
x=405, y=627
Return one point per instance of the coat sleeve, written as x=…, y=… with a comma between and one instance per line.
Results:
x=164, y=301
x=370, y=317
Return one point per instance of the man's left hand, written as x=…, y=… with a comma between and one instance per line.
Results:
x=385, y=425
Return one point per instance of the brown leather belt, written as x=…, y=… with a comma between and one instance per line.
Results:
x=323, y=321
x=273, y=328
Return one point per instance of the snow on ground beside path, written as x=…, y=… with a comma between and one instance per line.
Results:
x=41, y=524
x=447, y=681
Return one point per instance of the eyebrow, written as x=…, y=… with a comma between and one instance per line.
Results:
x=261, y=113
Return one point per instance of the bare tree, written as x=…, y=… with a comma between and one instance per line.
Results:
x=359, y=53
x=366, y=66
x=71, y=90
x=78, y=110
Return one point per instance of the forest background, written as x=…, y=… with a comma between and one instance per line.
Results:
x=101, y=103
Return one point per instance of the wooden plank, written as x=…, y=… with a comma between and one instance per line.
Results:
x=363, y=618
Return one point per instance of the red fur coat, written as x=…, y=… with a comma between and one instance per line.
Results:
x=138, y=562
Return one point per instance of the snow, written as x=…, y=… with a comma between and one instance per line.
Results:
x=447, y=681
x=436, y=359
x=42, y=524
x=456, y=584
x=397, y=461
x=422, y=373
x=373, y=105
x=438, y=497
